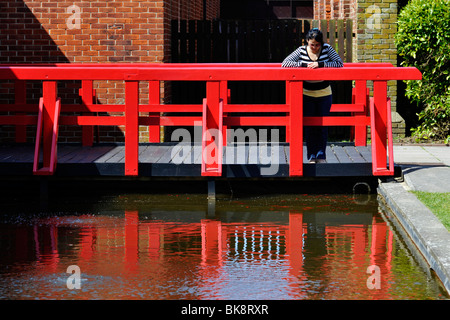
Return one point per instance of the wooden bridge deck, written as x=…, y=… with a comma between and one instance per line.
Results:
x=177, y=160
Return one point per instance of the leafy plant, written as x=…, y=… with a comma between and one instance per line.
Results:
x=423, y=40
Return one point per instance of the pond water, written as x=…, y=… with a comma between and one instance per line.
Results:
x=179, y=246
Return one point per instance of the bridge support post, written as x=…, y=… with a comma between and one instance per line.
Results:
x=295, y=100
x=131, y=128
x=211, y=189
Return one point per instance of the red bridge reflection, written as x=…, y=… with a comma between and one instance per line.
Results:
x=321, y=260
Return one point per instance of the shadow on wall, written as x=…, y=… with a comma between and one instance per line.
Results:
x=25, y=40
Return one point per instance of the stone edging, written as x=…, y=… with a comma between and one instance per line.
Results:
x=423, y=227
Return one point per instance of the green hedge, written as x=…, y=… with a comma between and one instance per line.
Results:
x=423, y=41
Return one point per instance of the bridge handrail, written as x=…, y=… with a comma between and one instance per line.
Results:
x=216, y=76
x=206, y=72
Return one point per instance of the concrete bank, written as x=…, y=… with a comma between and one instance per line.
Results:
x=424, y=169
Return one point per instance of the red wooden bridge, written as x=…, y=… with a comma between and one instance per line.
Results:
x=214, y=116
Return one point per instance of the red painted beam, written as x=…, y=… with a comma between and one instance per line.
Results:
x=213, y=72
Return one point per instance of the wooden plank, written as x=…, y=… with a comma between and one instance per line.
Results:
x=365, y=152
x=118, y=157
x=276, y=41
x=298, y=39
x=69, y=153
x=332, y=38
x=341, y=155
x=233, y=45
x=306, y=27
x=284, y=156
x=183, y=41
x=287, y=151
x=245, y=160
x=108, y=155
x=182, y=154
x=219, y=52
x=341, y=39
x=152, y=154
x=249, y=41
x=270, y=154
x=349, y=41
x=88, y=154
x=354, y=155
x=331, y=157
x=174, y=41
x=324, y=29
x=201, y=38
x=19, y=153
x=241, y=41
x=167, y=155
x=253, y=154
x=237, y=154
x=191, y=38
x=198, y=153
x=5, y=152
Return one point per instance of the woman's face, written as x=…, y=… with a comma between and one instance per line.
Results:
x=314, y=45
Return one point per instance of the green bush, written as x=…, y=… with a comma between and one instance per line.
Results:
x=423, y=41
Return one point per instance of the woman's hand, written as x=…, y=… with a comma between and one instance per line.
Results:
x=313, y=65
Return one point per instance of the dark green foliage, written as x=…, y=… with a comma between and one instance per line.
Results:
x=423, y=41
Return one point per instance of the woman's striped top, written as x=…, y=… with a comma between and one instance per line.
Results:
x=328, y=58
x=299, y=58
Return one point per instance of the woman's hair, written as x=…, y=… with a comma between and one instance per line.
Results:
x=314, y=34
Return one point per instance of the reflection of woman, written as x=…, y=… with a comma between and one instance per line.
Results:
x=317, y=96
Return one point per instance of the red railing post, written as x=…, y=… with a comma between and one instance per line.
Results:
x=37, y=143
x=379, y=119
x=361, y=98
x=295, y=101
x=212, y=144
x=288, y=95
x=131, y=127
x=225, y=97
x=20, y=97
x=49, y=95
x=154, y=133
x=87, y=98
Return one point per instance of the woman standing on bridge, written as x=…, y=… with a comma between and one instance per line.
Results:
x=317, y=95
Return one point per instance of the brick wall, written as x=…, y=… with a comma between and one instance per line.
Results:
x=127, y=31
x=375, y=27
x=335, y=9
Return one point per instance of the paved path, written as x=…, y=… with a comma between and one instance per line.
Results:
x=425, y=168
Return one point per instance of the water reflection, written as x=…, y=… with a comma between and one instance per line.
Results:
x=178, y=247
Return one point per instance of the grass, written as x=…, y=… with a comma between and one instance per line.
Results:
x=438, y=203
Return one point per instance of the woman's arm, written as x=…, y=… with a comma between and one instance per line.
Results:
x=334, y=60
x=294, y=60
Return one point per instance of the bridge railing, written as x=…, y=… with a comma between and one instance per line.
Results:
x=217, y=113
